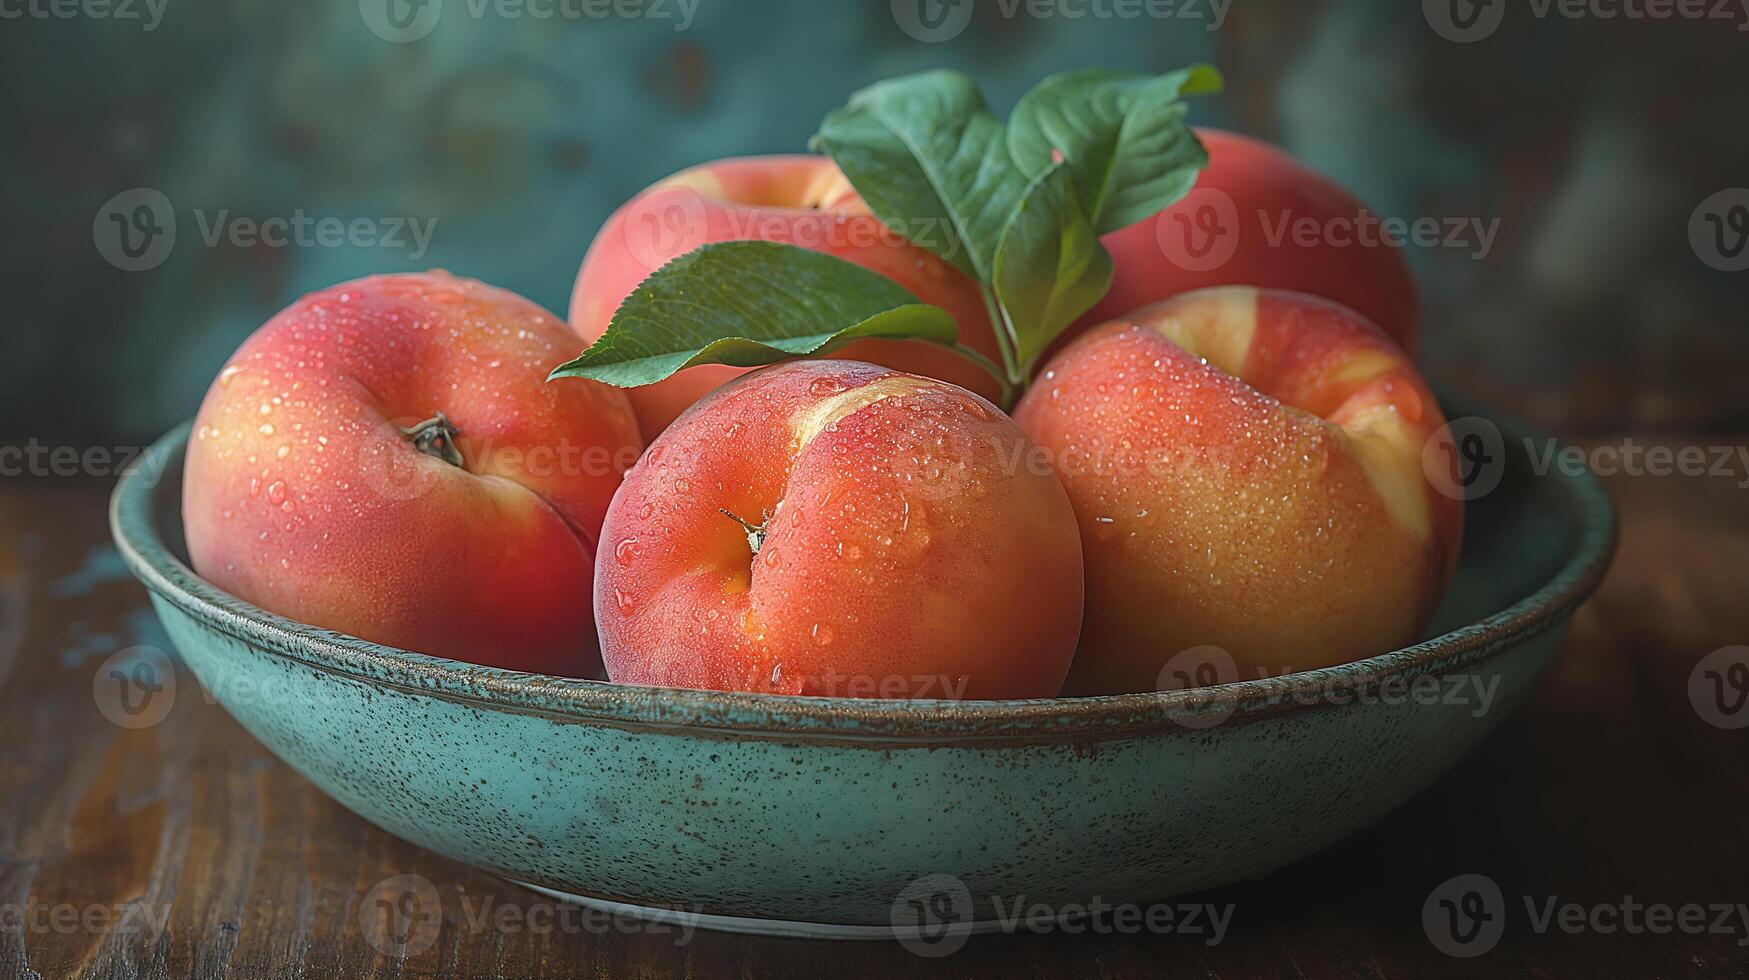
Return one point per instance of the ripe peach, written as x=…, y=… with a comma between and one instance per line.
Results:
x=385, y=459
x=1241, y=224
x=841, y=529
x=798, y=200
x=1246, y=468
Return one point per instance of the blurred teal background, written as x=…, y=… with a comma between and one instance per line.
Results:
x=1591, y=140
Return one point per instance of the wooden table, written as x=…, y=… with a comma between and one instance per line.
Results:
x=1609, y=787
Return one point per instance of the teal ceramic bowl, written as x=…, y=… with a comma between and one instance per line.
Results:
x=823, y=816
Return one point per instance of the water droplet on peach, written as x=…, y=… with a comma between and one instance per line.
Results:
x=626, y=551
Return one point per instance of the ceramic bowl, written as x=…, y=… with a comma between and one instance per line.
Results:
x=831, y=816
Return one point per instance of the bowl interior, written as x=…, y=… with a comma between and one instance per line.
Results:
x=1534, y=547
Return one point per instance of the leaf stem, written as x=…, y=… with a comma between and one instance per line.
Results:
x=1004, y=333
x=1009, y=396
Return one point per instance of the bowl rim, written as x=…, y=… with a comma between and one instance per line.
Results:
x=853, y=720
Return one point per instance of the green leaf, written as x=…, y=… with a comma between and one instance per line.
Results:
x=748, y=303
x=931, y=161
x=1124, y=136
x=1050, y=267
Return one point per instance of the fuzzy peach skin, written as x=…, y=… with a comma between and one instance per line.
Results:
x=1270, y=195
x=798, y=200
x=304, y=496
x=1246, y=468
x=907, y=552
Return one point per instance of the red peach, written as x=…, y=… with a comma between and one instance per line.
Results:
x=472, y=537
x=1246, y=468
x=798, y=200
x=895, y=545
x=1240, y=225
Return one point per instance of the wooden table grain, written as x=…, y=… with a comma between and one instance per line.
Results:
x=183, y=848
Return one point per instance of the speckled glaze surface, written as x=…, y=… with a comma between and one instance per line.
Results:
x=825, y=811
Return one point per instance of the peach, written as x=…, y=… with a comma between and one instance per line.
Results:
x=798, y=200
x=384, y=458
x=1246, y=468
x=1240, y=226
x=837, y=528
